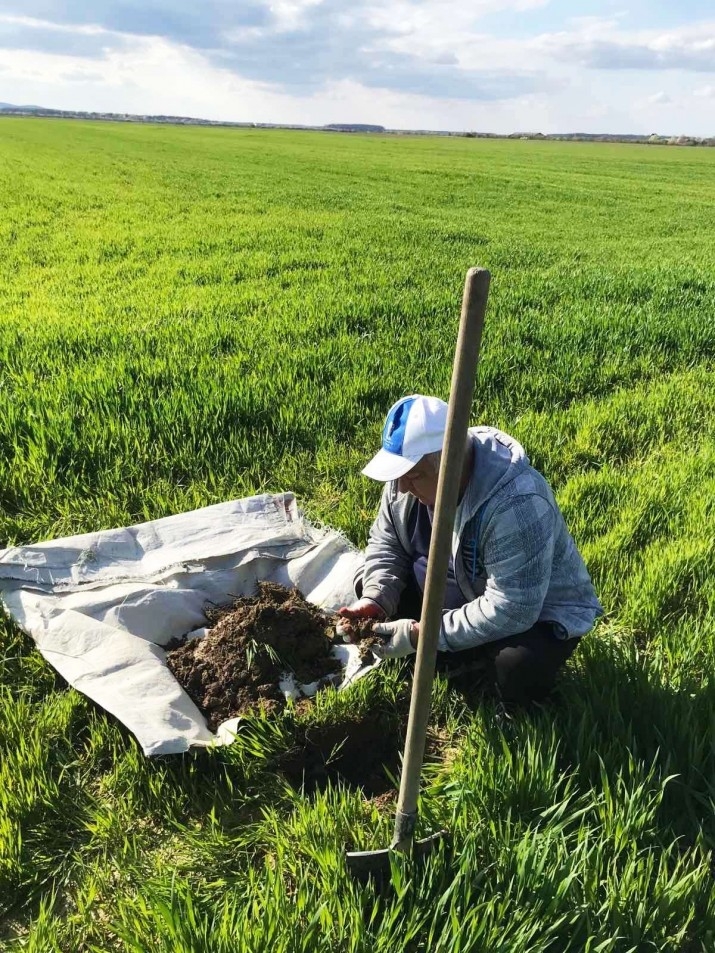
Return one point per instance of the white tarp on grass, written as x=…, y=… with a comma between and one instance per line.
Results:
x=101, y=605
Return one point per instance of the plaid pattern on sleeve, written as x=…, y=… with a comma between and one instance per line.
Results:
x=517, y=551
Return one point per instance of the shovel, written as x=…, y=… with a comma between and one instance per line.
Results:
x=364, y=863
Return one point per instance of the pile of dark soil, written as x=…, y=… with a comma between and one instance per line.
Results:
x=236, y=667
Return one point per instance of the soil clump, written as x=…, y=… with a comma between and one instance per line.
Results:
x=359, y=632
x=236, y=667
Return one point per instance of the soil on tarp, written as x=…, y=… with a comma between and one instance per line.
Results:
x=236, y=667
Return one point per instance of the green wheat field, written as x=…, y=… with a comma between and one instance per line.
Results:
x=189, y=315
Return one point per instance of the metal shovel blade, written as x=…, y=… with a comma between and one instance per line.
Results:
x=376, y=863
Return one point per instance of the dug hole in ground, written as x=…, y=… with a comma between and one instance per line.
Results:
x=262, y=652
x=103, y=608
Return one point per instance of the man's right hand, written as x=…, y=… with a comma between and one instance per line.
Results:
x=363, y=609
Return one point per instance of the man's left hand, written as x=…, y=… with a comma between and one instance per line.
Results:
x=400, y=638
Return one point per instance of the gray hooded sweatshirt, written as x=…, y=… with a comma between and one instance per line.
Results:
x=514, y=560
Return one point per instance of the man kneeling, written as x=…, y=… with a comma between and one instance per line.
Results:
x=518, y=597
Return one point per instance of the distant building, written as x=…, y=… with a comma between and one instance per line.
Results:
x=353, y=127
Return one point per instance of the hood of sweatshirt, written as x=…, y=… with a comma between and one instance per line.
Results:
x=497, y=460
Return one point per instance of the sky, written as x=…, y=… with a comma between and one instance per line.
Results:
x=637, y=66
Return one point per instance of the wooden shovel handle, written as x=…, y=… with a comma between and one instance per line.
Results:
x=474, y=304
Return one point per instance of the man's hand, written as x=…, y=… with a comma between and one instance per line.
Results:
x=400, y=638
x=362, y=609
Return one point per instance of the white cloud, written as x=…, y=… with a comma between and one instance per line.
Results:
x=447, y=30
x=156, y=77
x=400, y=63
x=602, y=44
x=290, y=14
x=308, y=45
x=34, y=23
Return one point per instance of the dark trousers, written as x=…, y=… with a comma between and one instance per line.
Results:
x=519, y=668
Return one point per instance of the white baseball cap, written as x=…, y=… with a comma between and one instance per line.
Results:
x=414, y=426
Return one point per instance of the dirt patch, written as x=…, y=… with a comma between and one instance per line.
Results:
x=361, y=752
x=235, y=668
x=385, y=802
